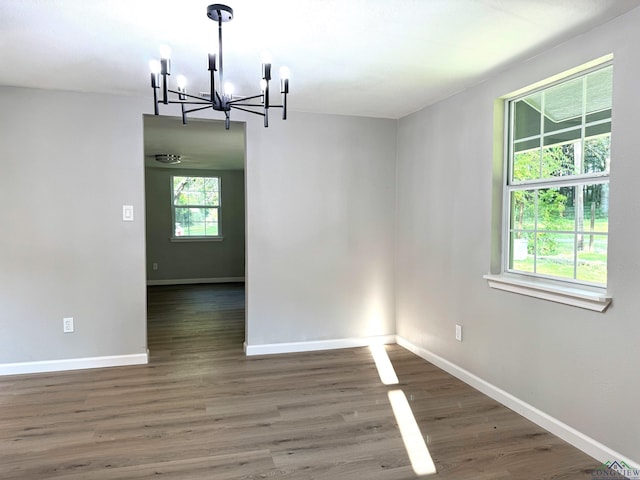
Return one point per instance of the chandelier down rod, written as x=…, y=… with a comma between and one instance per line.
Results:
x=220, y=96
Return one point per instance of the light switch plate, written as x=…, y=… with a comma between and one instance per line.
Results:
x=459, y=333
x=127, y=213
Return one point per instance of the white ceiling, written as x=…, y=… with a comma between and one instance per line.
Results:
x=377, y=58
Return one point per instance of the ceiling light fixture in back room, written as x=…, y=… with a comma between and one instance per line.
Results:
x=223, y=100
x=169, y=158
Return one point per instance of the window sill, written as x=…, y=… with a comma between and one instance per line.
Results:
x=195, y=239
x=580, y=296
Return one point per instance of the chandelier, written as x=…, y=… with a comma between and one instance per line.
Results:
x=220, y=97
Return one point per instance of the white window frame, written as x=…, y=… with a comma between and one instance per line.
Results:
x=195, y=238
x=562, y=290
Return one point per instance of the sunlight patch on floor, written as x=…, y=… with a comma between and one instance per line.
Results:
x=385, y=369
x=414, y=443
x=421, y=460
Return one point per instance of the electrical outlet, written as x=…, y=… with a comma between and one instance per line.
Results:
x=459, y=333
x=67, y=325
x=154, y=266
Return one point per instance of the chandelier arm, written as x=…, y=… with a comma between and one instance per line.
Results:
x=189, y=103
x=244, y=99
x=197, y=97
x=257, y=105
x=197, y=109
x=247, y=110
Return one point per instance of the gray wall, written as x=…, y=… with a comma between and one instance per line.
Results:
x=579, y=366
x=69, y=162
x=194, y=260
x=319, y=235
x=320, y=228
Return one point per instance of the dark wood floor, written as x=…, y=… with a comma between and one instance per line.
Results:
x=202, y=410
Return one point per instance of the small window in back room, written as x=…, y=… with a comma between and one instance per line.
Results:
x=196, y=206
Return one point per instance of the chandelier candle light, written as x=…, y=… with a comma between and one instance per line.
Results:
x=220, y=101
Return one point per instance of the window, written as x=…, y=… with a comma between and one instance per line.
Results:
x=196, y=206
x=557, y=182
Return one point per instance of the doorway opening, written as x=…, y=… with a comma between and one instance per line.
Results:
x=195, y=220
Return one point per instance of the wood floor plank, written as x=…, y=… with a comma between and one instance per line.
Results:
x=203, y=410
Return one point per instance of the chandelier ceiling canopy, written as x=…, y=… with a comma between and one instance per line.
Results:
x=221, y=93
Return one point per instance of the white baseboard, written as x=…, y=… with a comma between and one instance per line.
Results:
x=588, y=445
x=191, y=281
x=73, y=364
x=274, y=348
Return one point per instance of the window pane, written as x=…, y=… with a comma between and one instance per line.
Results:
x=602, y=115
x=179, y=184
x=595, y=208
x=195, y=198
x=211, y=198
x=599, y=89
x=196, y=191
x=597, y=153
x=523, y=210
x=526, y=165
x=183, y=220
x=211, y=191
x=592, y=260
x=523, y=145
x=568, y=136
x=594, y=222
x=211, y=183
x=196, y=221
x=560, y=160
x=554, y=254
x=598, y=129
x=211, y=222
x=567, y=220
x=552, y=205
x=521, y=258
x=527, y=117
x=563, y=105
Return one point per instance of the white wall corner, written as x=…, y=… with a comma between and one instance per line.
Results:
x=588, y=445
